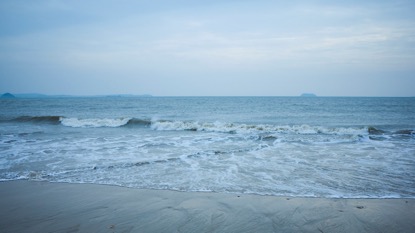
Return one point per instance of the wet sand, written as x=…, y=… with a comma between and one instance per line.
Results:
x=27, y=206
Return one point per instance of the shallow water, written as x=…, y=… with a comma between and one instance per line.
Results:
x=291, y=146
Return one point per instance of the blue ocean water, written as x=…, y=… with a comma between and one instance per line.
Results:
x=285, y=146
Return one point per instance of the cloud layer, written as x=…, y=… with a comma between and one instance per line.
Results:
x=215, y=48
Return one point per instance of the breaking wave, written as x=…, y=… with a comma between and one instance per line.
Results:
x=39, y=119
x=93, y=122
x=103, y=122
x=246, y=128
x=219, y=127
x=82, y=122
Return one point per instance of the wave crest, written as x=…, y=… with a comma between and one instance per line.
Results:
x=219, y=127
x=245, y=128
x=39, y=119
x=93, y=122
x=102, y=122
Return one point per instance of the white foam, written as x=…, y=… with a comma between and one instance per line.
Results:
x=244, y=128
x=94, y=122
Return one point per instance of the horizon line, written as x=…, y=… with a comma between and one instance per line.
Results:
x=41, y=95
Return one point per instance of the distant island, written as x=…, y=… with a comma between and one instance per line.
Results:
x=7, y=96
x=37, y=96
x=308, y=95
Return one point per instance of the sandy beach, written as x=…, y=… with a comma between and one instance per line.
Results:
x=55, y=207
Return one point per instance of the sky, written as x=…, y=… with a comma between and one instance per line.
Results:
x=208, y=48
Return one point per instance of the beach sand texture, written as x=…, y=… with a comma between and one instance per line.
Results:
x=55, y=207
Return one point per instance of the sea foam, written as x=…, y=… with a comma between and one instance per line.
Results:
x=246, y=128
x=94, y=122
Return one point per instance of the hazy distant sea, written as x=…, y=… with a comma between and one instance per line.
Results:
x=290, y=146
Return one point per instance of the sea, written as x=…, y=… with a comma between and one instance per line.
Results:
x=331, y=147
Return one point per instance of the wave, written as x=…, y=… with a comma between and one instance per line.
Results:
x=39, y=119
x=94, y=122
x=103, y=122
x=218, y=127
x=138, y=122
x=246, y=128
x=81, y=122
x=268, y=129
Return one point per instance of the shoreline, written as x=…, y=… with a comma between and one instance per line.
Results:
x=33, y=206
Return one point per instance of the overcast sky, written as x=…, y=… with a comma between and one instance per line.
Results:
x=228, y=47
